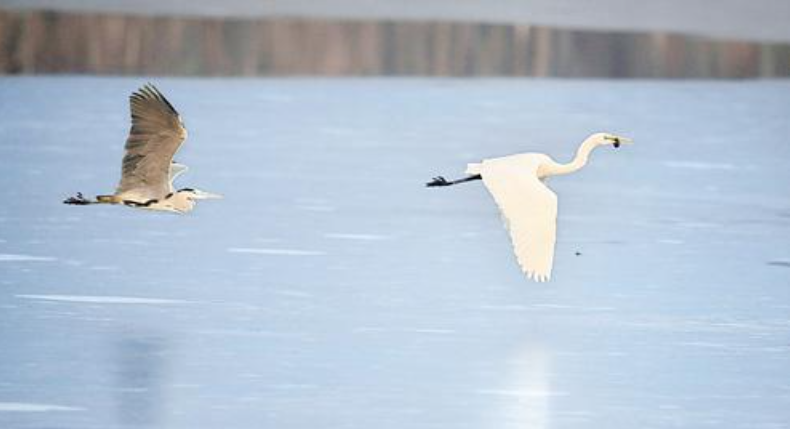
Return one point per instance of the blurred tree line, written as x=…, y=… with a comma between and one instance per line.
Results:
x=50, y=42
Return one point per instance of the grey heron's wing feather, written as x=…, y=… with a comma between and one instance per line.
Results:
x=155, y=136
x=175, y=171
x=529, y=209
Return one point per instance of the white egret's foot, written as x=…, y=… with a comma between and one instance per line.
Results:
x=438, y=181
x=441, y=181
x=78, y=200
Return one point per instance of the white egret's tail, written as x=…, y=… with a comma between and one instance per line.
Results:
x=474, y=168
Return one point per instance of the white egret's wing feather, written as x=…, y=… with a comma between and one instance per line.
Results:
x=155, y=136
x=529, y=209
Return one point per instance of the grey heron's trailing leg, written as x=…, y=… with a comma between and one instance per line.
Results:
x=80, y=200
x=441, y=181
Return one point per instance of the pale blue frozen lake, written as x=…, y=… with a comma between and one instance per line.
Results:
x=330, y=289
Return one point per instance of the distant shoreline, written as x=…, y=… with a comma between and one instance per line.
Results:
x=35, y=42
x=731, y=20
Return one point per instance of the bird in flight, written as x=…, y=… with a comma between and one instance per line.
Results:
x=148, y=170
x=528, y=206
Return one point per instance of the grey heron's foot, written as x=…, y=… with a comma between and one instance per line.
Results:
x=79, y=200
x=438, y=181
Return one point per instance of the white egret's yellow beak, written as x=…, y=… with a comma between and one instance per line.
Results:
x=625, y=140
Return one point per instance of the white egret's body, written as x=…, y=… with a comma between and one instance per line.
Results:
x=148, y=170
x=528, y=206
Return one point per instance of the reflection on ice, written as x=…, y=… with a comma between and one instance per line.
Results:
x=526, y=398
x=140, y=379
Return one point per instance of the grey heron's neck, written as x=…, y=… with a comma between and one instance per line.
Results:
x=579, y=161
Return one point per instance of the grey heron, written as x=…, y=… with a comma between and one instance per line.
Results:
x=528, y=206
x=148, y=170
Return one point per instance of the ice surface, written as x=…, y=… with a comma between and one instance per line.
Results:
x=361, y=299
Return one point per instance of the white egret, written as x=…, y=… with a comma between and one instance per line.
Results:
x=148, y=169
x=528, y=206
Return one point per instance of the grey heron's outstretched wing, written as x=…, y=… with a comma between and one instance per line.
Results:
x=529, y=209
x=156, y=134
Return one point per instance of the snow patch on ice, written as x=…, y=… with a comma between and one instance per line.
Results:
x=25, y=407
x=9, y=257
x=292, y=386
x=504, y=307
x=434, y=331
x=697, y=165
x=279, y=252
x=430, y=331
x=88, y=299
x=359, y=237
x=104, y=268
x=316, y=208
x=337, y=131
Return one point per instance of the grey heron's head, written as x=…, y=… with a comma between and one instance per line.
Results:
x=197, y=194
x=606, y=138
x=183, y=200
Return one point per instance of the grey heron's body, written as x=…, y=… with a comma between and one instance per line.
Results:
x=148, y=169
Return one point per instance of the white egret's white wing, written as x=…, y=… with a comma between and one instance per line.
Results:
x=529, y=209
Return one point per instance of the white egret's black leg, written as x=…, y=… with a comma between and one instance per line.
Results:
x=79, y=200
x=441, y=181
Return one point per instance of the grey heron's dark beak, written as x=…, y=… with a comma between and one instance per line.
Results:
x=203, y=195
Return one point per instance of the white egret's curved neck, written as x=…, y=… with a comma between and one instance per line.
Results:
x=579, y=161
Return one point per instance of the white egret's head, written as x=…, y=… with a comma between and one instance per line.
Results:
x=606, y=138
x=615, y=140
